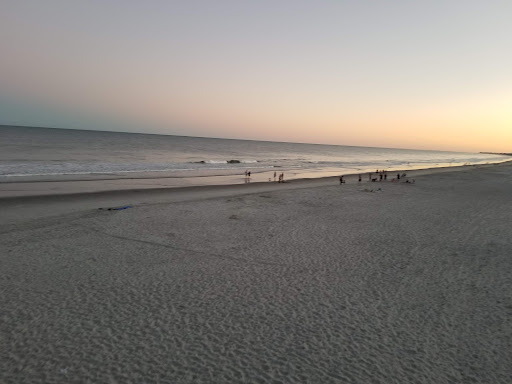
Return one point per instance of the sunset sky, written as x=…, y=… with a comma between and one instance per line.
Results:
x=410, y=74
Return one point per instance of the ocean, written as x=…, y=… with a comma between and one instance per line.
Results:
x=48, y=152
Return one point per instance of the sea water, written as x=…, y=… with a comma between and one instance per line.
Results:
x=27, y=151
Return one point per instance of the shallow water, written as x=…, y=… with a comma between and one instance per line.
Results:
x=27, y=151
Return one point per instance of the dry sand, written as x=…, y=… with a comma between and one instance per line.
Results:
x=306, y=282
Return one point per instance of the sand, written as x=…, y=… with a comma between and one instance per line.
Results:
x=303, y=282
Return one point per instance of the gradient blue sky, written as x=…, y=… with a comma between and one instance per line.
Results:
x=410, y=74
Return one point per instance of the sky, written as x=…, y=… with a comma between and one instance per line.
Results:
x=431, y=74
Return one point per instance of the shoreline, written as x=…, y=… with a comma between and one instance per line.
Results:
x=70, y=187
x=20, y=206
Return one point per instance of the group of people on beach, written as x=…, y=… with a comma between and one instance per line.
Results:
x=380, y=175
x=280, y=180
x=403, y=176
x=281, y=177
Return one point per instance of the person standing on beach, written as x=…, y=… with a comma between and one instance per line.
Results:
x=275, y=174
x=359, y=178
x=341, y=180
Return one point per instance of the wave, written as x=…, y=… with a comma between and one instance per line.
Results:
x=99, y=172
x=211, y=162
x=232, y=161
x=16, y=168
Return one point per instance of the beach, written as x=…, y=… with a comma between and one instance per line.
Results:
x=307, y=281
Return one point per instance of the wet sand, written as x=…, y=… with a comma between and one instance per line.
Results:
x=126, y=183
x=302, y=282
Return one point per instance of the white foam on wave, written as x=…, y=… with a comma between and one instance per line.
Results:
x=120, y=172
x=231, y=161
